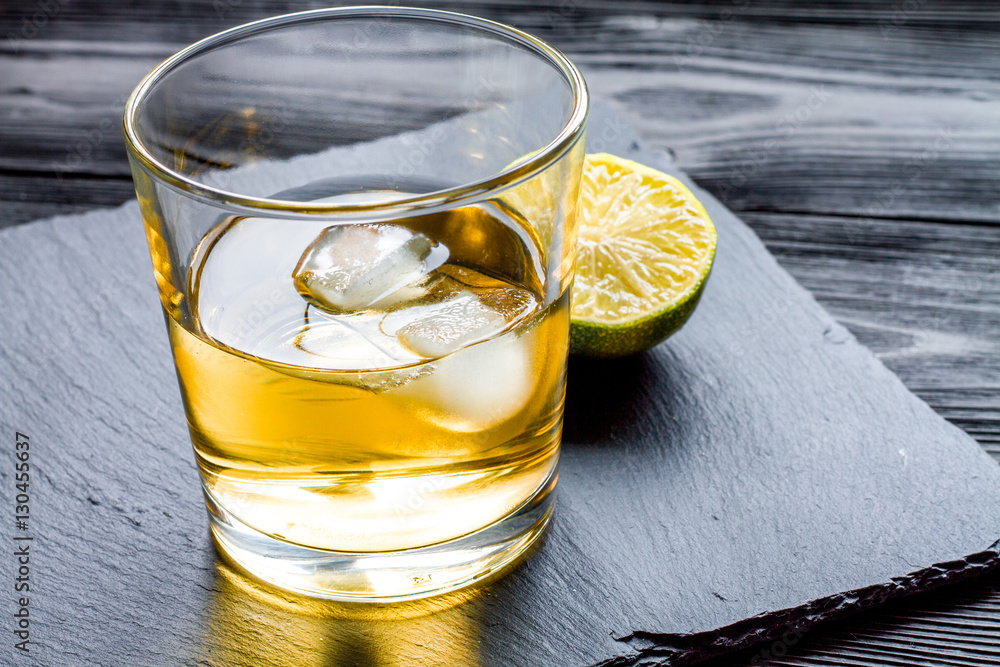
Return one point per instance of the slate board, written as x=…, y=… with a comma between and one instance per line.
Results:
x=759, y=472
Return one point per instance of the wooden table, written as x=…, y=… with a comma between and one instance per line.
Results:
x=862, y=143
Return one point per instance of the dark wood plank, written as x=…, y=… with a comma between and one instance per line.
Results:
x=28, y=197
x=803, y=118
x=61, y=108
x=816, y=119
x=186, y=20
x=960, y=627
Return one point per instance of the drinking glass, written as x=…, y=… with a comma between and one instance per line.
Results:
x=362, y=227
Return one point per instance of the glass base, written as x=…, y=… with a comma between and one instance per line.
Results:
x=383, y=576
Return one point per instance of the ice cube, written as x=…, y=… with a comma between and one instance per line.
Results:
x=477, y=388
x=350, y=267
x=481, y=377
x=342, y=343
x=512, y=303
x=450, y=325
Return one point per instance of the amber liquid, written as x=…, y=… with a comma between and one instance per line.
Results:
x=324, y=432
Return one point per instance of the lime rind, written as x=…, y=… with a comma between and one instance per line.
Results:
x=597, y=339
x=618, y=335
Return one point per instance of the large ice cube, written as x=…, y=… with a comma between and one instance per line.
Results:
x=348, y=268
x=477, y=388
x=482, y=374
x=451, y=325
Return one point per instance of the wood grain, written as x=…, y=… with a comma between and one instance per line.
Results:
x=804, y=118
x=855, y=201
x=27, y=197
x=960, y=629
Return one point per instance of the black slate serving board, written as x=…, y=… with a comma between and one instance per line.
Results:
x=757, y=473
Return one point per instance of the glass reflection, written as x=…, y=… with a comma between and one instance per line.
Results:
x=253, y=625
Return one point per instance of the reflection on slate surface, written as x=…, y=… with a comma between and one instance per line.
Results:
x=718, y=489
x=247, y=624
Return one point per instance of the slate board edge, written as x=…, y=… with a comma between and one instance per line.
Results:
x=669, y=650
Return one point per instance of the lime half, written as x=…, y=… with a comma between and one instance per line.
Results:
x=644, y=252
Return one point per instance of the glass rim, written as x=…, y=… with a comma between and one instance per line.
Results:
x=469, y=193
